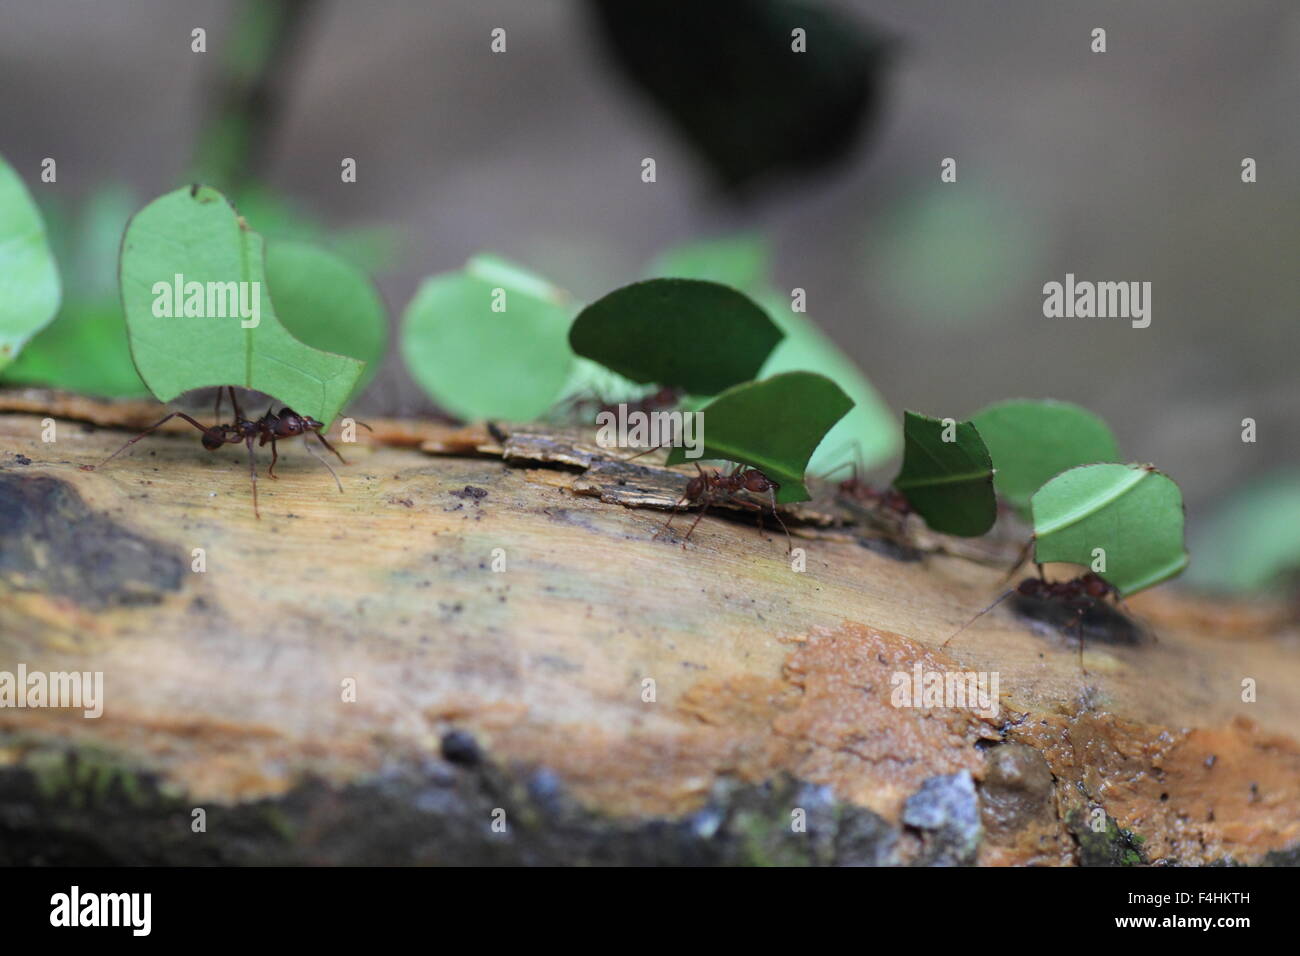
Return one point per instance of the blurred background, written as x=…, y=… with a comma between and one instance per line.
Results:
x=1121, y=166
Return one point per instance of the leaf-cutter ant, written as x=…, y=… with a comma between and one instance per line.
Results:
x=269, y=428
x=712, y=487
x=1079, y=595
x=888, y=500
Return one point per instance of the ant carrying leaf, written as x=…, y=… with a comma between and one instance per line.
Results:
x=269, y=428
x=712, y=487
x=1078, y=595
x=887, y=501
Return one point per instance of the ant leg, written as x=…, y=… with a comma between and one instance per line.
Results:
x=680, y=504
x=329, y=446
x=691, y=530
x=668, y=524
x=239, y=414
x=275, y=456
x=789, y=543
x=1079, y=630
x=307, y=444
x=252, y=472
x=156, y=424
x=216, y=411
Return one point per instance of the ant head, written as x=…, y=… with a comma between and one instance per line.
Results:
x=214, y=437
x=1032, y=587
x=755, y=480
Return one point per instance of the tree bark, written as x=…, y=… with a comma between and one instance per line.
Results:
x=538, y=678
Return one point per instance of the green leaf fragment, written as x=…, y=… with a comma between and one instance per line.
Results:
x=327, y=302
x=1132, y=513
x=949, y=483
x=1031, y=442
x=869, y=434
x=701, y=337
x=29, y=278
x=1252, y=542
x=773, y=425
x=196, y=234
x=488, y=341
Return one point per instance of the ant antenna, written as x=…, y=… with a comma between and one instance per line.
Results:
x=307, y=445
x=1021, y=559
x=1004, y=596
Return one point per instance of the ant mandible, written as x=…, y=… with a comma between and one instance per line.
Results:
x=1079, y=595
x=711, y=487
x=269, y=428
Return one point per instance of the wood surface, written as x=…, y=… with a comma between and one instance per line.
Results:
x=223, y=687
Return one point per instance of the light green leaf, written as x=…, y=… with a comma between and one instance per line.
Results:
x=1033, y=441
x=772, y=425
x=196, y=234
x=742, y=262
x=479, y=363
x=869, y=434
x=1133, y=513
x=29, y=278
x=1252, y=542
x=327, y=302
x=84, y=350
x=948, y=483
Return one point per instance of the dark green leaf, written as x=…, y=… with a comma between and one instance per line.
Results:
x=752, y=108
x=1133, y=513
x=701, y=337
x=773, y=425
x=1031, y=442
x=869, y=434
x=948, y=483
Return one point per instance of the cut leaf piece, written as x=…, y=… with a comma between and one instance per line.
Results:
x=488, y=341
x=29, y=278
x=195, y=233
x=701, y=337
x=869, y=434
x=1032, y=442
x=327, y=302
x=1132, y=513
x=948, y=483
x=773, y=425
